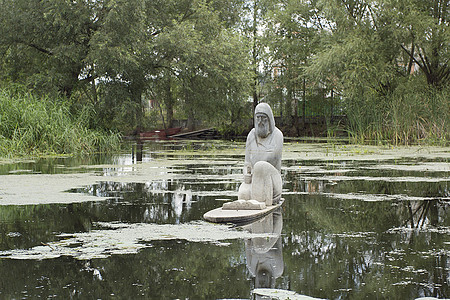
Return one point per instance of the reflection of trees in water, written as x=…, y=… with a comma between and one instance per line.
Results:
x=429, y=209
x=168, y=270
x=419, y=214
x=363, y=246
x=333, y=243
x=377, y=183
x=157, y=201
x=321, y=262
x=29, y=225
x=137, y=151
x=363, y=266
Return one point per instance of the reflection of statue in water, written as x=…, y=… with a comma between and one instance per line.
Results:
x=262, y=167
x=264, y=254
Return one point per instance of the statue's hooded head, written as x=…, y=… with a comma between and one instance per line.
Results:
x=264, y=120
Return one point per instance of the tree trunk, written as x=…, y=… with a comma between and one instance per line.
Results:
x=281, y=104
x=411, y=60
x=296, y=112
x=304, y=104
x=190, y=112
x=255, y=56
x=255, y=96
x=136, y=94
x=332, y=104
x=191, y=120
x=169, y=101
x=288, y=107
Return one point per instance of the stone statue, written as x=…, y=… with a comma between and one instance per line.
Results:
x=262, y=166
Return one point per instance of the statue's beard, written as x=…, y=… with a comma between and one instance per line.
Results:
x=262, y=130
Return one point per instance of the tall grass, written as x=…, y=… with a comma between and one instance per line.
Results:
x=411, y=114
x=40, y=125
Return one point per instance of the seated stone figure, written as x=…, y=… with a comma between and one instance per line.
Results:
x=262, y=167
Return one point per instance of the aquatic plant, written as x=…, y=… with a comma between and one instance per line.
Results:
x=43, y=125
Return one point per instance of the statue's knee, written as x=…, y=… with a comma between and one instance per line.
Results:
x=262, y=167
x=245, y=191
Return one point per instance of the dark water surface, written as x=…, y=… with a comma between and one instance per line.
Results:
x=349, y=229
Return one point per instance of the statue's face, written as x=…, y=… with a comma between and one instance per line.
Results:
x=262, y=125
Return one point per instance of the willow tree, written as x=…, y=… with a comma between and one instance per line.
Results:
x=43, y=44
x=423, y=28
x=107, y=54
x=122, y=59
x=206, y=59
x=292, y=37
x=372, y=50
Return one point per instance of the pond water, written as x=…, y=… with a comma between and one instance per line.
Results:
x=357, y=222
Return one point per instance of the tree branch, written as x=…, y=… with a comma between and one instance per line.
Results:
x=411, y=61
x=40, y=49
x=373, y=17
x=413, y=58
x=444, y=71
x=425, y=61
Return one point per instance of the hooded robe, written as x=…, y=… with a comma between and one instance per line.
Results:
x=264, y=149
x=263, y=155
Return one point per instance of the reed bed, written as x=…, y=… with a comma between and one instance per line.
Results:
x=407, y=116
x=31, y=125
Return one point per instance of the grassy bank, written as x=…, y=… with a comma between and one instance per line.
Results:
x=31, y=125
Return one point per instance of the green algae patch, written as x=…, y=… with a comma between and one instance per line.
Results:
x=379, y=178
x=122, y=238
x=35, y=189
x=32, y=189
x=360, y=152
x=379, y=197
x=27, y=189
x=420, y=167
x=280, y=294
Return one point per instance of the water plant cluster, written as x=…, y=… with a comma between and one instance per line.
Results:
x=36, y=125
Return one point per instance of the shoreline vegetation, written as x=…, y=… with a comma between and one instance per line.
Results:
x=33, y=125
x=42, y=126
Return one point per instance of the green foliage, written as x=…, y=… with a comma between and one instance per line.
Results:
x=203, y=59
x=207, y=64
x=394, y=76
x=39, y=125
x=292, y=37
x=419, y=113
x=44, y=43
